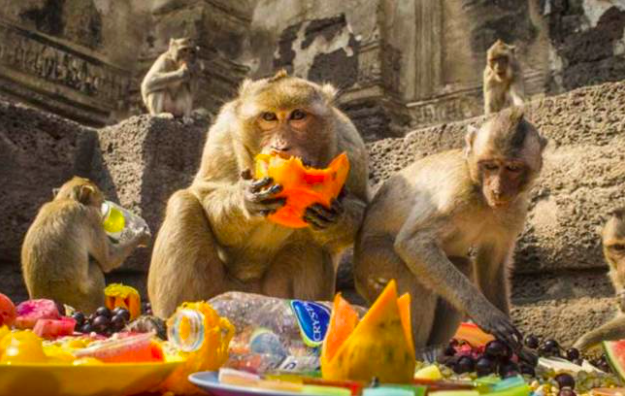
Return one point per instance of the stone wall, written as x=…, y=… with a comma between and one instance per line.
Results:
x=559, y=286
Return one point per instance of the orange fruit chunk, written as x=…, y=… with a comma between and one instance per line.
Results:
x=302, y=186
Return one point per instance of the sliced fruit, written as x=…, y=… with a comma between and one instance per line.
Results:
x=139, y=348
x=431, y=372
x=377, y=347
x=302, y=185
x=469, y=332
x=8, y=313
x=615, y=353
x=29, y=312
x=343, y=321
x=404, y=312
x=52, y=328
x=127, y=297
x=22, y=347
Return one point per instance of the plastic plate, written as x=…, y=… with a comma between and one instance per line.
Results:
x=209, y=381
x=89, y=380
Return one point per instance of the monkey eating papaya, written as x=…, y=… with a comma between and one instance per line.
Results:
x=613, y=240
x=423, y=221
x=216, y=236
x=170, y=84
x=58, y=245
x=503, y=80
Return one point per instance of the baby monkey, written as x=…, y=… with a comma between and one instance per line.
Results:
x=503, y=80
x=58, y=245
x=613, y=239
x=169, y=85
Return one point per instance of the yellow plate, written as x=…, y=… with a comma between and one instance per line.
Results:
x=118, y=379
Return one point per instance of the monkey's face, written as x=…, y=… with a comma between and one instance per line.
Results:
x=182, y=50
x=502, y=180
x=613, y=238
x=290, y=117
x=499, y=65
x=504, y=157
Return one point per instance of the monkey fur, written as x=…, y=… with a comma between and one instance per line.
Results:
x=216, y=238
x=169, y=85
x=65, y=234
x=423, y=221
x=503, y=80
x=613, y=241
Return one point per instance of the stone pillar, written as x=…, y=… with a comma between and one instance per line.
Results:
x=428, y=20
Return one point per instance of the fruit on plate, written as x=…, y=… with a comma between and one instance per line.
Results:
x=127, y=349
x=379, y=346
x=8, y=313
x=22, y=347
x=30, y=311
x=469, y=332
x=615, y=355
x=122, y=296
x=53, y=328
x=302, y=186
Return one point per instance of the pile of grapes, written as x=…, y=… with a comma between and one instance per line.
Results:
x=105, y=321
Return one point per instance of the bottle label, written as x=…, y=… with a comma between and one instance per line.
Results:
x=313, y=320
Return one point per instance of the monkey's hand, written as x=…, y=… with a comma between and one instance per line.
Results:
x=143, y=237
x=493, y=321
x=260, y=196
x=620, y=296
x=320, y=217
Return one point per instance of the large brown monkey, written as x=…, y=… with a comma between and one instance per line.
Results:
x=503, y=80
x=215, y=236
x=65, y=234
x=169, y=85
x=423, y=221
x=613, y=238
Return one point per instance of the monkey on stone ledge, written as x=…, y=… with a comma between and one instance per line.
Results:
x=216, y=237
x=423, y=221
x=503, y=80
x=169, y=86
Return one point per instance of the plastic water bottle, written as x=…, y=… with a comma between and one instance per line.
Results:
x=117, y=221
x=185, y=329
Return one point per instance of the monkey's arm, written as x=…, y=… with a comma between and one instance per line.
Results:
x=157, y=78
x=491, y=263
x=108, y=255
x=610, y=331
x=418, y=246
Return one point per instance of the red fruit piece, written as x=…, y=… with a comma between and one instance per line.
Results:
x=29, y=312
x=8, y=313
x=52, y=328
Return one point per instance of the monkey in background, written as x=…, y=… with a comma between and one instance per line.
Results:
x=215, y=236
x=169, y=85
x=423, y=221
x=65, y=234
x=503, y=80
x=613, y=240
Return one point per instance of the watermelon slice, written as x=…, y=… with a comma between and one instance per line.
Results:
x=615, y=352
x=53, y=328
x=8, y=313
x=137, y=348
x=29, y=312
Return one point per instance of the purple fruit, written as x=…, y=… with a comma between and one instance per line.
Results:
x=565, y=381
x=485, y=366
x=465, y=364
x=572, y=354
x=103, y=311
x=531, y=341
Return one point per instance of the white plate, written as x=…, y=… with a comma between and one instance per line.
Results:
x=209, y=381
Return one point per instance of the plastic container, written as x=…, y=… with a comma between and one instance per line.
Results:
x=186, y=330
x=118, y=221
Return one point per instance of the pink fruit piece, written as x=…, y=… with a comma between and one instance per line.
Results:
x=8, y=312
x=53, y=328
x=29, y=312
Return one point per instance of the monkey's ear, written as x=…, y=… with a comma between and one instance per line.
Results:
x=55, y=192
x=469, y=138
x=83, y=194
x=543, y=143
x=329, y=91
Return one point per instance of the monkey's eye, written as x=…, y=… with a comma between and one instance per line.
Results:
x=619, y=247
x=298, y=115
x=513, y=168
x=490, y=166
x=267, y=116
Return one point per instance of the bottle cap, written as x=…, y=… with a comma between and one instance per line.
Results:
x=186, y=330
